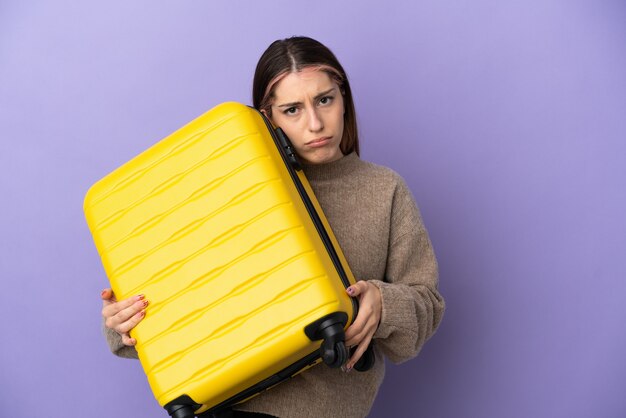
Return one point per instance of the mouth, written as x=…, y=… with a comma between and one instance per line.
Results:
x=318, y=142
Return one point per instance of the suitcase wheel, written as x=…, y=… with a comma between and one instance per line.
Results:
x=182, y=407
x=333, y=350
x=183, y=412
x=334, y=355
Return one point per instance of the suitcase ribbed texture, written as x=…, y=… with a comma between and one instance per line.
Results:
x=209, y=225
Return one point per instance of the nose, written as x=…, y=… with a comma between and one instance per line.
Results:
x=315, y=121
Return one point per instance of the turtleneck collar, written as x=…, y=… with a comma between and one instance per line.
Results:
x=332, y=169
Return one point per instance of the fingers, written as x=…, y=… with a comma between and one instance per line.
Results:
x=354, y=333
x=358, y=288
x=107, y=294
x=124, y=315
x=364, y=323
x=115, y=308
x=370, y=310
x=107, y=297
x=358, y=353
x=362, y=330
x=127, y=340
x=125, y=326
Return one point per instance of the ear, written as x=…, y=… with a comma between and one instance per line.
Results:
x=267, y=115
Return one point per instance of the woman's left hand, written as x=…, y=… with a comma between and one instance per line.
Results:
x=362, y=330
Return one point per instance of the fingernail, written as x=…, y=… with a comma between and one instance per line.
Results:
x=350, y=290
x=139, y=297
x=145, y=303
x=103, y=292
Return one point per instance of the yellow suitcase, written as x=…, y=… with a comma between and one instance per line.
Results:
x=218, y=227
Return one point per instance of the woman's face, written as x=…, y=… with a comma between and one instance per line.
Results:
x=308, y=106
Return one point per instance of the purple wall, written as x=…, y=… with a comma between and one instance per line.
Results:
x=508, y=123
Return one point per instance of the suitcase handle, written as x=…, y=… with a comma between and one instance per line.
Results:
x=286, y=144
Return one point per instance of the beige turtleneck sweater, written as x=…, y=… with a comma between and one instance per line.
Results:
x=380, y=230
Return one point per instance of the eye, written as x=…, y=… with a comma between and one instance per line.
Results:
x=326, y=100
x=290, y=111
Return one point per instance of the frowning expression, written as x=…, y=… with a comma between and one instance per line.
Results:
x=308, y=106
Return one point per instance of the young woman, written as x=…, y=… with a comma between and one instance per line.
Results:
x=302, y=88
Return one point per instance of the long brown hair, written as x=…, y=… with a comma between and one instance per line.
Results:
x=292, y=55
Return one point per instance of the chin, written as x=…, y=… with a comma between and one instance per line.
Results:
x=326, y=156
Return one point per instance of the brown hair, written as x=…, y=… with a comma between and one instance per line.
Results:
x=292, y=55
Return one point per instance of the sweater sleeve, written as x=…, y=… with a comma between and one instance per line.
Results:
x=114, y=340
x=412, y=307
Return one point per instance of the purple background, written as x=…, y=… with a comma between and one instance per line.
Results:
x=507, y=121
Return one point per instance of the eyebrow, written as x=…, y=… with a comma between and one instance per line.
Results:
x=324, y=93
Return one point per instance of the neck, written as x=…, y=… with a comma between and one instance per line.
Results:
x=330, y=169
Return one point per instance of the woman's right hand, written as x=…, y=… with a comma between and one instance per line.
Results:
x=124, y=315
